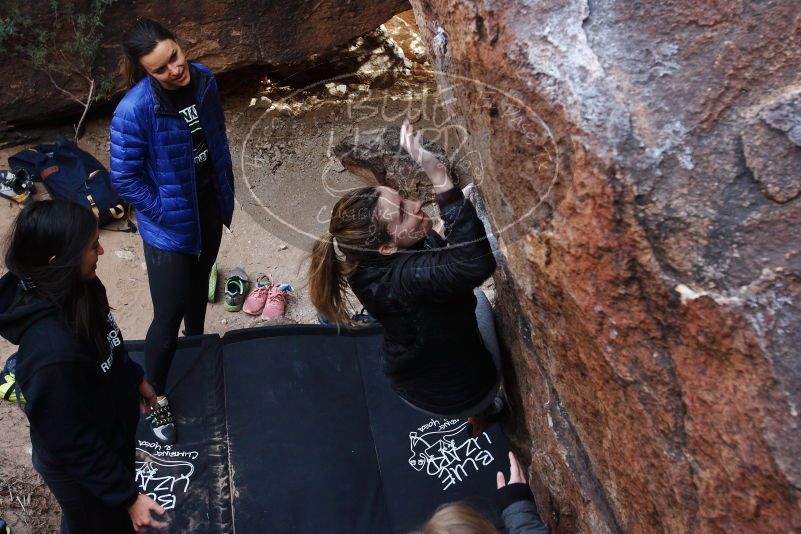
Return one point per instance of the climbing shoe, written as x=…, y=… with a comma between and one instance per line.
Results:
x=161, y=422
x=235, y=287
x=16, y=185
x=213, y=283
x=498, y=410
x=494, y=413
x=255, y=302
x=357, y=319
x=363, y=318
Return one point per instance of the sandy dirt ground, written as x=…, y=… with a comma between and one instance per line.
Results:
x=286, y=182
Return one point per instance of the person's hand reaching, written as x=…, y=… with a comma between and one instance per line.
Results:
x=436, y=170
x=516, y=474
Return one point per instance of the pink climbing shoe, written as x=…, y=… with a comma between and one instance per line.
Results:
x=255, y=302
x=276, y=302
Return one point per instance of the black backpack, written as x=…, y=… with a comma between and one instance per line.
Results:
x=70, y=173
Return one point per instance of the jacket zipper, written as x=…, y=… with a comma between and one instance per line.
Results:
x=194, y=177
x=199, y=105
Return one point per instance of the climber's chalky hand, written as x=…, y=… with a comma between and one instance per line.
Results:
x=434, y=168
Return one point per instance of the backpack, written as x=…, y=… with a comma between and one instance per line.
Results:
x=70, y=173
x=9, y=389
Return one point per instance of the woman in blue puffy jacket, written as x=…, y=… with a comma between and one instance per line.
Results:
x=170, y=160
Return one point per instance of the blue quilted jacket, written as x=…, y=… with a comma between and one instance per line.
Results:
x=152, y=165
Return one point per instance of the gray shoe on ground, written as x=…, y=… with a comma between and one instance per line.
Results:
x=236, y=287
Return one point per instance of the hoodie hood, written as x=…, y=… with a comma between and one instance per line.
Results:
x=15, y=320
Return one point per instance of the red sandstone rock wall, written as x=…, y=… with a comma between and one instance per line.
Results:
x=222, y=35
x=642, y=162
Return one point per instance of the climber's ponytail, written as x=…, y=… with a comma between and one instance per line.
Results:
x=354, y=234
x=327, y=280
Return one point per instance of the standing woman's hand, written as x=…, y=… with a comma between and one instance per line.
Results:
x=141, y=512
x=436, y=170
x=148, y=398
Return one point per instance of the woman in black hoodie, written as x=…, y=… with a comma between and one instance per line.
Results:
x=82, y=391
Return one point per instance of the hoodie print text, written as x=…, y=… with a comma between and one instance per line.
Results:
x=114, y=341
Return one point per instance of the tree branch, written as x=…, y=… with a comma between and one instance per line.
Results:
x=85, y=110
x=69, y=94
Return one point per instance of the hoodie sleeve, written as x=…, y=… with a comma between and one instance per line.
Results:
x=58, y=398
x=135, y=369
x=518, y=510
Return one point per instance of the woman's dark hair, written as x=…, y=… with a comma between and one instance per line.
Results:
x=138, y=41
x=61, y=230
x=358, y=232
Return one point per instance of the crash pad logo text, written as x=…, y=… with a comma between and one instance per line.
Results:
x=443, y=449
x=160, y=478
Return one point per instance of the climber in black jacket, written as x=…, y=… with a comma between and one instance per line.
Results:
x=82, y=391
x=418, y=285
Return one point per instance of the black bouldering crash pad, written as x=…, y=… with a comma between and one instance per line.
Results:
x=296, y=429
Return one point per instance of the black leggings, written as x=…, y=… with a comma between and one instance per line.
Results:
x=178, y=288
x=82, y=512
